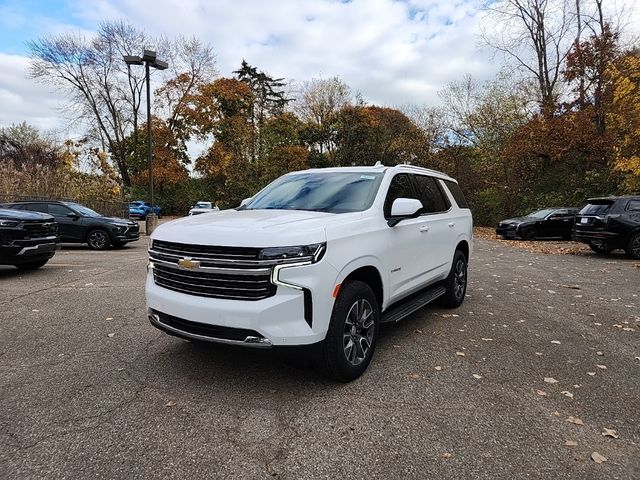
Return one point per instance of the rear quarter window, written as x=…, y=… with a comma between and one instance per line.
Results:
x=458, y=196
x=633, y=206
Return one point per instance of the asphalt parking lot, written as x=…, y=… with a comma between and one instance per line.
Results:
x=90, y=390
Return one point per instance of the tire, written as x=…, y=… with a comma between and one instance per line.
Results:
x=98, y=239
x=32, y=265
x=633, y=246
x=528, y=233
x=600, y=247
x=456, y=282
x=340, y=357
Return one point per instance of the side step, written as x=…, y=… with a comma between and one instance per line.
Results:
x=415, y=302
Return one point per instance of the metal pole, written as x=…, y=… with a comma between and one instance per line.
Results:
x=149, y=153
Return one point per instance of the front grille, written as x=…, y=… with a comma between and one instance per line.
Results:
x=208, y=253
x=214, y=284
x=40, y=229
x=206, y=330
x=233, y=273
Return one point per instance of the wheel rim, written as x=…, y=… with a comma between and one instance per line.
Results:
x=460, y=278
x=635, y=247
x=97, y=239
x=359, y=329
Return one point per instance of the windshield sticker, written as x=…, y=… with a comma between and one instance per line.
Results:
x=367, y=177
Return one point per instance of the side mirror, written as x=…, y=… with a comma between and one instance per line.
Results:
x=245, y=201
x=75, y=216
x=403, y=208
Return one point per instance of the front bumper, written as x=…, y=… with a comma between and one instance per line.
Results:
x=507, y=230
x=28, y=251
x=278, y=320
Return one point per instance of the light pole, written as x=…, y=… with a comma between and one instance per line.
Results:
x=148, y=59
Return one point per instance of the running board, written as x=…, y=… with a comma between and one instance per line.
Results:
x=406, y=307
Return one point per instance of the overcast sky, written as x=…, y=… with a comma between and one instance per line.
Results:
x=393, y=51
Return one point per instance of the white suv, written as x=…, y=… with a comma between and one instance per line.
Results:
x=318, y=258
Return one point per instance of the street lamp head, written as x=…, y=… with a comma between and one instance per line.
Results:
x=132, y=59
x=149, y=56
x=160, y=65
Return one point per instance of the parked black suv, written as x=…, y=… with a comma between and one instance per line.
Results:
x=80, y=224
x=27, y=239
x=545, y=223
x=609, y=223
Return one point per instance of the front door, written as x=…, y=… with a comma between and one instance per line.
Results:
x=71, y=227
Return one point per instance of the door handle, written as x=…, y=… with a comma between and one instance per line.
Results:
x=424, y=229
x=452, y=224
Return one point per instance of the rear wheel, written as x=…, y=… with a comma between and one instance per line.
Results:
x=32, y=265
x=456, y=282
x=600, y=247
x=98, y=239
x=633, y=247
x=353, y=331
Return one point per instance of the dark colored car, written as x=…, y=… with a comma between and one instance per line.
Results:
x=545, y=223
x=140, y=209
x=27, y=239
x=610, y=223
x=80, y=224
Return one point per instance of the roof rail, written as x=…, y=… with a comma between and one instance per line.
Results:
x=423, y=168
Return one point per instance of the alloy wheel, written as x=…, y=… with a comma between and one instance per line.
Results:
x=359, y=329
x=97, y=240
x=635, y=247
x=460, y=277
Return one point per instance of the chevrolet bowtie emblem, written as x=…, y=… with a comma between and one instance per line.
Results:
x=188, y=264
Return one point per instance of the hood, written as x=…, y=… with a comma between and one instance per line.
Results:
x=519, y=220
x=251, y=228
x=23, y=215
x=115, y=219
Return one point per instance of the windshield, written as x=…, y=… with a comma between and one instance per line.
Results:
x=596, y=208
x=332, y=192
x=84, y=211
x=541, y=213
x=202, y=205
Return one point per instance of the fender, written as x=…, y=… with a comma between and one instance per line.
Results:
x=365, y=261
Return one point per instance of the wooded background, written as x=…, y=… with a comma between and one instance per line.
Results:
x=560, y=122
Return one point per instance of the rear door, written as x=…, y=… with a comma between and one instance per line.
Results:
x=559, y=223
x=437, y=242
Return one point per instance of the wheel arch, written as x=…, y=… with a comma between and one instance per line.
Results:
x=370, y=275
x=463, y=246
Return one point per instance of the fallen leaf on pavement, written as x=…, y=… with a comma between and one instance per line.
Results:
x=567, y=393
x=542, y=393
x=550, y=380
x=596, y=457
x=557, y=342
x=539, y=354
x=415, y=376
x=609, y=432
x=475, y=375
x=571, y=443
x=591, y=373
x=438, y=368
x=418, y=331
x=603, y=367
x=170, y=403
x=575, y=420
x=487, y=339
x=572, y=287
x=111, y=335
x=599, y=353
x=460, y=354
x=109, y=318
x=446, y=455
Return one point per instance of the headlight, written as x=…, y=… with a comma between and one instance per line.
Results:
x=303, y=253
x=9, y=223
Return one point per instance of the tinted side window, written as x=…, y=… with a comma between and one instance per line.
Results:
x=36, y=207
x=400, y=187
x=58, y=210
x=455, y=190
x=633, y=205
x=430, y=195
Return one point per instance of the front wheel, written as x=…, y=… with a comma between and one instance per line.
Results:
x=353, y=331
x=600, y=247
x=529, y=233
x=32, y=265
x=456, y=282
x=633, y=247
x=98, y=239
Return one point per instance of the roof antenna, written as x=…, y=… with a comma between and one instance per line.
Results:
x=378, y=164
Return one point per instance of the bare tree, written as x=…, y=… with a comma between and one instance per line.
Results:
x=536, y=35
x=105, y=94
x=432, y=122
x=317, y=102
